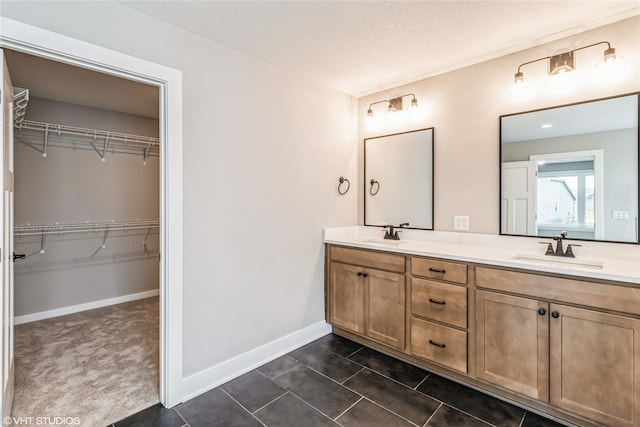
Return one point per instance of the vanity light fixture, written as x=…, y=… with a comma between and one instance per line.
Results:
x=394, y=105
x=565, y=62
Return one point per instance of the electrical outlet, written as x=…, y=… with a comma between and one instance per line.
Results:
x=461, y=223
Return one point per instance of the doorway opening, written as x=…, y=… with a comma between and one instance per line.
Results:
x=87, y=191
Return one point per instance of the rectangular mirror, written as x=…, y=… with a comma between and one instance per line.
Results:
x=571, y=168
x=398, y=179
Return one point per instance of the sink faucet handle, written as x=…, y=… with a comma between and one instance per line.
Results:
x=569, y=251
x=549, y=247
x=404, y=224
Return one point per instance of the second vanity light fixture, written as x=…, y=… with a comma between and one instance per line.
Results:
x=394, y=105
x=565, y=62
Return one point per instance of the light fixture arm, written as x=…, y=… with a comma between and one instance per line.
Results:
x=566, y=55
x=394, y=103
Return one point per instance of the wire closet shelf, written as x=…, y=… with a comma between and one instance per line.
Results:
x=83, y=227
x=59, y=135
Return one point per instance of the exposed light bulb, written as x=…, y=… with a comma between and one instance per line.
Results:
x=520, y=89
x=610, y=66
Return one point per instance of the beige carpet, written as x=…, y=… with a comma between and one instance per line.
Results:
x=99, y=365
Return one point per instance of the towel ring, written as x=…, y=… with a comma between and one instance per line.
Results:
x=374, y=182
x=342, y=180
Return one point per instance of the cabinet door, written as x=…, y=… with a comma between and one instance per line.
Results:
x=512, y=343
x=346, y=297
x=384, y=304
x=595, y=365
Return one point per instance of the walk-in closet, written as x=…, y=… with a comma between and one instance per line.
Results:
x=86, y=238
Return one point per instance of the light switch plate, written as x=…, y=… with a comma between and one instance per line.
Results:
x=620, y=214
x=461, y=223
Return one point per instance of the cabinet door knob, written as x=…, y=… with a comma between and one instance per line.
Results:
x=542, y=312
x=555, y=314
x=437, y=302
x=436, y=344
x=359, y=273
x=365, y=275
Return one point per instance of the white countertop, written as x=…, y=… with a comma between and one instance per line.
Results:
x=609, y=261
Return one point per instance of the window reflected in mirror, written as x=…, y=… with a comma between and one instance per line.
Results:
x=572, y=168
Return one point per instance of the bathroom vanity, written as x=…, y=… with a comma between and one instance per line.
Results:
x=559, y=336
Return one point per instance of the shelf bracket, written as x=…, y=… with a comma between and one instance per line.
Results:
x=104, y=149
x=46, y=141
x=103, y=245
x=146, y=238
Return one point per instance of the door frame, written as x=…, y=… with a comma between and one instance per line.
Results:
x=32, y=40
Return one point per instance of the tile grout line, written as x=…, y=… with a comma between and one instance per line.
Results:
x=347, y=357
x=277, y=398
x=361, y=369
x=522, y=419
x=180, y=415
x=242, y=406
x=423, y=380
x=346, y=410
x=433, y=415
x=183, y=418
x=468, y=414
x=287, y=371
x=311, y=406
x=389, y=410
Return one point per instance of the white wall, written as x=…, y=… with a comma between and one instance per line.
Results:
x=263, y=151
x=74, y=185
x=464, y=108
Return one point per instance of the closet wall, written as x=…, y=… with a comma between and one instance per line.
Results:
x=74, y=185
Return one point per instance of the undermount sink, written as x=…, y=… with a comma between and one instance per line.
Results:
x=385, y=242
x=553, y=261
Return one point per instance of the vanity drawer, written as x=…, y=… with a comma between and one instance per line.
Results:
x=373, y=259
x=443, y=270
x=439, y=301
x=440, y=344
x=621, y=298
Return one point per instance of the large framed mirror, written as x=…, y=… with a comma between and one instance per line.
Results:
x=398, y=179
x=572, y=168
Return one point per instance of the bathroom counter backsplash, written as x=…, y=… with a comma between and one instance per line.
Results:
x=600, y=260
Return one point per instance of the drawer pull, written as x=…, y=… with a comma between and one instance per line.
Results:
x=437, y=302
x=434, y=270
x=437, y=345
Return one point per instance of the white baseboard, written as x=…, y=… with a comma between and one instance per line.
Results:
x=214, y=376
x=83, y=307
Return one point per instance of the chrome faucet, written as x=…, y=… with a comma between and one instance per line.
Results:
x=559, y=251
x=390, y=234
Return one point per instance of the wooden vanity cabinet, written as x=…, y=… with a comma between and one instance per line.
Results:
x=366, y=299
x=582, y=360
x=439, y=312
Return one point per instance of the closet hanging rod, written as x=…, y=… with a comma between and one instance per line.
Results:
x=83, y=227
x=90, y=133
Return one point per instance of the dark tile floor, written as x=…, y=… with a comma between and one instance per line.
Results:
x=336, y=382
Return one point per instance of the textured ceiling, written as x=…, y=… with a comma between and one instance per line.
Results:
x=360, y=47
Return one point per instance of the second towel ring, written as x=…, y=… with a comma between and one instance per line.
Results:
x=373, y=183
x=342, y=180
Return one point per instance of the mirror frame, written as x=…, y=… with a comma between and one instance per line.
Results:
x=637, y=237
x=364, y=176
